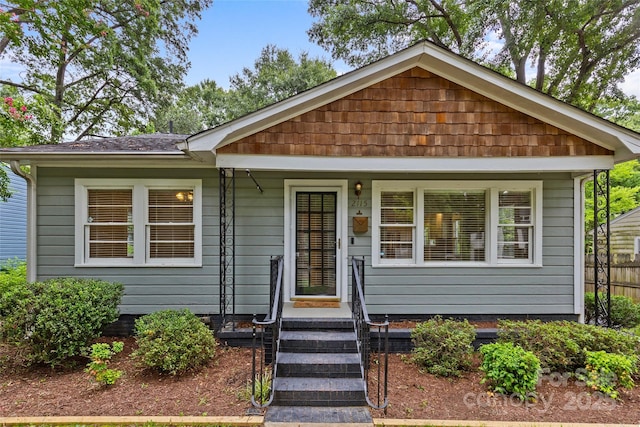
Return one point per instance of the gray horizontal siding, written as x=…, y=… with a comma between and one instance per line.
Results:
x=415, y=290
x=13, y=219
x=147, y=289
x=260, y=235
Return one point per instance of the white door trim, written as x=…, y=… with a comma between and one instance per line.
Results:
x=290, y=187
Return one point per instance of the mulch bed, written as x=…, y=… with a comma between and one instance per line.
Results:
x=216, y=391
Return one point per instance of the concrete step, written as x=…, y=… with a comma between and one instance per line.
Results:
x=294, y=416
x=334, y=392
x=323, y=324
x=319, y=365
x=317, y=342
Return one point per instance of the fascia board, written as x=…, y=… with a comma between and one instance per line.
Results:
x=415, y=164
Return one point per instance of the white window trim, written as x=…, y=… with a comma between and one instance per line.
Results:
x=140, y=188
x=492, y=189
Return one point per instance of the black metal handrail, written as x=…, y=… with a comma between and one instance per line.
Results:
x=363, y=332
x=263, y=372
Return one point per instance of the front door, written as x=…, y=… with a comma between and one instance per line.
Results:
x=316, y=243
x=315, y=219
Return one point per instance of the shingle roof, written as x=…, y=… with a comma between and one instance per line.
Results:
x=156, y=142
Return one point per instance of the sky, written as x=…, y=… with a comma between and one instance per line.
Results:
x=233, y=32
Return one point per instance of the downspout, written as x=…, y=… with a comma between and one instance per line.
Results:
x=31, y=219
x=578, y=250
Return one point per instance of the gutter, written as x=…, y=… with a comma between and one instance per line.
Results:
x=31, y=219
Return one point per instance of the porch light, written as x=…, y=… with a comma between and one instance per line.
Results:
x=358, y=188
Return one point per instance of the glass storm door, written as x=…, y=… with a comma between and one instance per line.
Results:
x=316, y=240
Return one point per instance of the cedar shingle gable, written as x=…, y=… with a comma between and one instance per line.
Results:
x=414, y=114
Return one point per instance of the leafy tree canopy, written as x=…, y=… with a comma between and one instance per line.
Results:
x=578, y=49
x=276, y=75
x=95, y=67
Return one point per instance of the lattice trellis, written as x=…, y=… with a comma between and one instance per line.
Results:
x=601, y=248
x=227, y=246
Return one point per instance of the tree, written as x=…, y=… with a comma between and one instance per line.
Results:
x=579, y=49
x=276, y=75
x=96, y=67
x=192, y=109
x=15, y=120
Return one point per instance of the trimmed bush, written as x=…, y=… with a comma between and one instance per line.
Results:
x=509, y=369
x=443, y=347
x=173, y=341
x=55, y=320
x=624, y=312
x=562, y=346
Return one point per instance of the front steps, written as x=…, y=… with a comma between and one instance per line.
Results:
x=318, y=377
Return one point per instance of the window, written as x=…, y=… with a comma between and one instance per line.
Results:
x=140, y=222
x=397, y=225
x=472, y=223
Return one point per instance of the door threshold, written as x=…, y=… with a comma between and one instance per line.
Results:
x=315, y=298
x=343, y=311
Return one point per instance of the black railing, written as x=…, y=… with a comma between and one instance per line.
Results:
x=263, y=371
x=363, y=332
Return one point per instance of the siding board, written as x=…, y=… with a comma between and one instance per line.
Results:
x=260, y=235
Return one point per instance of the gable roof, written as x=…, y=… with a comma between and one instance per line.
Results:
x=624, y=143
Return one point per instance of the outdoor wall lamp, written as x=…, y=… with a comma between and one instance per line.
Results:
x=358, y=188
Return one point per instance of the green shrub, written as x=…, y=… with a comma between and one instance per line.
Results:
x=15, y=298
x=510, y=369
x=562, y=346
x=173, y=341
x=607, y=371
x=624, y=312
x=57, y=319
x=443, y=347
x=100, y=355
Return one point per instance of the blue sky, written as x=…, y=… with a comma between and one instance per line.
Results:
x=233, y=32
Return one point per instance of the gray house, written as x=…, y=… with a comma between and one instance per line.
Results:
x=13, y=219
x=461, y=188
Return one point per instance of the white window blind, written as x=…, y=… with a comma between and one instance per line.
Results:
x=397, y=225
x=515, y=226
x=109, y=224
x=171, y=230
x=454, y=225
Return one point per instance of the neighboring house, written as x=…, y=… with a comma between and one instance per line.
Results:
x=461, y=188
x=13, y=219
x=625, y=235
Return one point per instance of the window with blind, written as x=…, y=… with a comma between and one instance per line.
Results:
x=397, y=225
x=138, y=222
x=466, y=223
x=454, y=225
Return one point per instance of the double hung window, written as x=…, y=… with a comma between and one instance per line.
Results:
x=139, y=222
x=473, y=223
